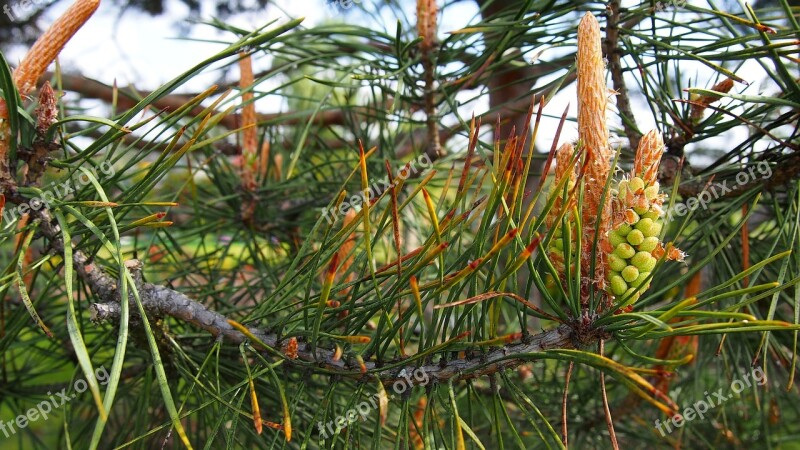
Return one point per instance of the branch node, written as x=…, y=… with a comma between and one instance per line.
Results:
x=135, y=266
x=103, y=312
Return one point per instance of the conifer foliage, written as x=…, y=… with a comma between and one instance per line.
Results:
x=372, y=268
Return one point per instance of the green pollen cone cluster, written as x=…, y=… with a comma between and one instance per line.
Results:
x=634, y=244
x=634, y=240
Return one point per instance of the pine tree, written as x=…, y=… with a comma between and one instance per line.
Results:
x=374, y=269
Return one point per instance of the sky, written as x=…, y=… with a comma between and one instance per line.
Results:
x=136, y=48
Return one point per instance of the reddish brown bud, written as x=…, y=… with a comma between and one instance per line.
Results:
x=47, y=111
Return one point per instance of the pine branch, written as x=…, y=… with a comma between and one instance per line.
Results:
x=783, y=173
x=90, y=88
x=160, y=301
x=613, y=53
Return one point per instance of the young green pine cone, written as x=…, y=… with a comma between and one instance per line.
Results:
x=635, y=238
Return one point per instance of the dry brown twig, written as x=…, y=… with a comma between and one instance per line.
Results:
x=614, y=55
x=426, y=28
